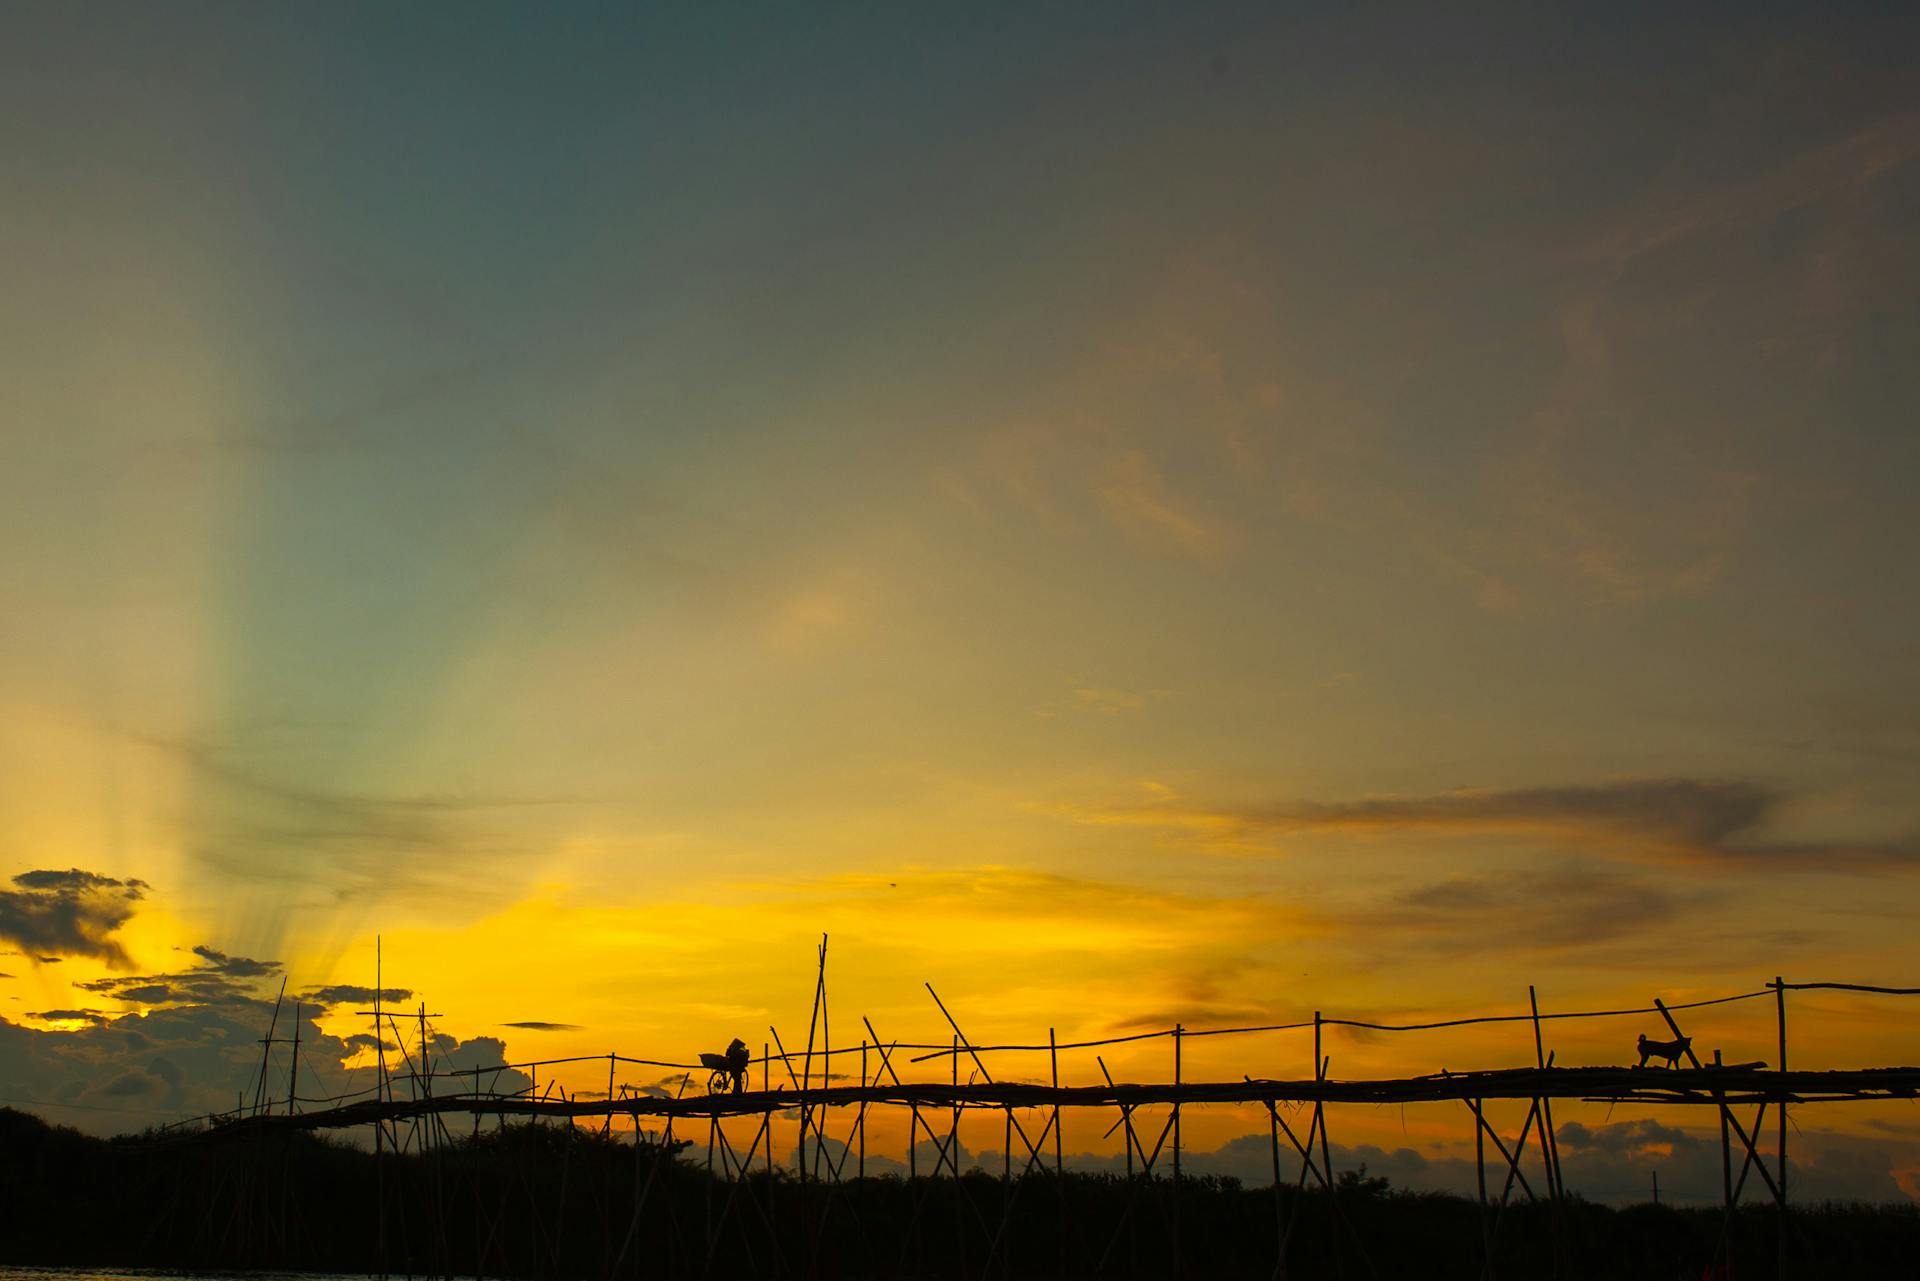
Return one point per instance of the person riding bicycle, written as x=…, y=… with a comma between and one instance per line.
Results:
x=737, y=1059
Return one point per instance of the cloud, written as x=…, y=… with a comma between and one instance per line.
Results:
x=134, y=1083
x=68, y=1016
x=1137, y=498
x=1554, y=910
x=1211, y=995
x=200, y=1052
x=70, y=913
x=1655, y=819
x=238, y=966
x=1021, y=911
x=1101, y=700
x=485, y=1058
x=347, y=842
x=537, y=1026
x=1834, y=169
x=350, y=994
x=220, y=977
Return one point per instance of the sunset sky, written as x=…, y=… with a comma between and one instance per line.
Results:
x=1129, y=514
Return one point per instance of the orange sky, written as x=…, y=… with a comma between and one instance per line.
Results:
x=1127, y=516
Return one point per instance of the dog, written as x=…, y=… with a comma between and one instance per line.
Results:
x=1668, y=1050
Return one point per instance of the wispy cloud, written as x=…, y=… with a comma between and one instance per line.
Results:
x=346, y=840
x=1570, y=907
x=1102, y=700
x=1656, y=819
x=1819, y=173
x=1137, y=497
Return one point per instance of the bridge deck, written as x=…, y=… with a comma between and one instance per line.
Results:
x=1740, y=1083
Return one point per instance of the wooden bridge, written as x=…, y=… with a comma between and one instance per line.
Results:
x=408, y=1112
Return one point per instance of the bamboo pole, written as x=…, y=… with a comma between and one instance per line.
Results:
x=1722, y=1246
x=826, y=1068
x=1780, y=1158
x=293, y=1073
x=1548, y=1153
x=380, y=1076
x=1053, y=1062
x=1279, y=1208
x=266, y=1048
x=1480, y=1182
x=1179, y=1260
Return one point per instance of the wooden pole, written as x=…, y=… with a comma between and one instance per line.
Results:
x=1480, y=1180
x=1780, y=1158
x=379, y=1046
x=806, y=1070
x=1059, y=1181
x=1547, y=1155
x=1726, y=1144
x=379, y=1079
x=1279, y=1209
x=1178, y=1031
x=826, y=1065
x=1053, y=1060
x=266, y=1049
x=1320, y=1065
x=293, y=1074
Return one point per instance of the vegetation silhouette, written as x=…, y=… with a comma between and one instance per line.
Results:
x=558, y=1202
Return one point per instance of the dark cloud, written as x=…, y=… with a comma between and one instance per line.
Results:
x=485, y=1059
x=220, y=978
x=350, y=994
x=1568, y=907
x=68, y=1016
x=48, y=960
x=69, y=913
x=1696, y=812
x=1659, y=819
x=1212, y=995
x=238, y=966
x=132, y=1083
x=189, y=987
x=185, y=1060
x=534, y=1025
x=1626, y=1136
x=367, y=1041
x=75, y=881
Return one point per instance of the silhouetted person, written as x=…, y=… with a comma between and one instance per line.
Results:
x=737, y=1058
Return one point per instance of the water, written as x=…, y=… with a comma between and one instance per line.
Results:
x=10, y=1272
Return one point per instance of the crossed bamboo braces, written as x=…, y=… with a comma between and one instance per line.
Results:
x=1722, y=1086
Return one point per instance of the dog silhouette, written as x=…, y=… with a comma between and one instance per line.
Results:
x=1668, y=1050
